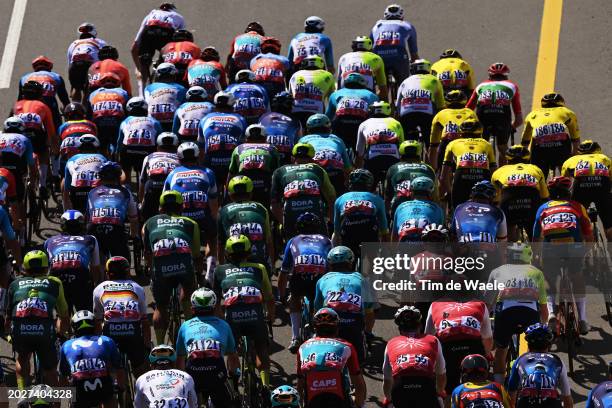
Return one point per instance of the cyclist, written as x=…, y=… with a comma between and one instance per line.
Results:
x=91, y=363
x=243, y=48
x=378, y=140
x=82, y=52
x=246, y=290
x=207, y=72
x=108, y=64
x=31, y=301
x=285, y=396
x=180, y=52
x=188, y=116
x=475, y=388
x=363, y=61
x=282, y=129
x=304, y=263
x=419, y=98
x=359, y=214
x=164, y=95
x=164, y=384
x=538, y=378
x=270, y=68
x=341, y=289
x=494, y=100
x=413, y=368
x=454, y=72
x=156, y=30
x=590, y=169
x=75, y=126
x=310, y=87
x=9, y=240
x=311, y=42
x=202, y=343
x=445, y=126
x=520, y=304
x=600, y=396
x=218, y=135
x=120, y=310
x=327, y=366
x=137, y=136
x=74, y=258
x=107, y=105
x=250, y=99
x=330, y=151
x=82, y=173
x=155, y=169
x=395, y=40
x=473, y=158
x=172, y=251
x=419, y=211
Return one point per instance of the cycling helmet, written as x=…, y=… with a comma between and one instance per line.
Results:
x=589, y=146
x=450, y=53
x=355, y=80
x=35, y=260
x=42, y=63
x=74, y=111
x=379, y=108
x=88, y=142
x=474, y=367
x=471, y=128
x=182, y=35
x=313, y=62
x=498, y=68
x=434, y=233
x=136, y=106
x=340, y=255
x=362, y=43
x=41, y=395
x=117, y=267
x=552, y=99
x=72, y=221
x=303, y=150
x=244, y=75
x=456, y=97
x=285, y=396
x=210, y=54
x=167, y=6
x=32, y=90
x=538, y=336
x=255, y=26
x=519, y=252
x=238, y=245
x=518, y=153
x=110, y=171
x=166, y=70
x=282, y=101
x=318, y=121
x=256, y=131
x=162, y=355
x=326, y=317
x=314, y=24
x=394, y=12
x=83, y=319
x=14, y=124
x=411, y=149
x=188, y=151
x=484, y=189
x=271, y=44
x=422, y=184
x=224, y=99
x=203, y=299
x=240, y=185
x=559, y=185
x=170, y=198
x=87, y=28
x=407, y=317
x=196, y=94
x=420, y=66
x=361, y=178
x=167, y=139
x=108, y=52
x=308, y=223
x=109, y=80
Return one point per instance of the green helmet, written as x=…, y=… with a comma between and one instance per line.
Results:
x=340, y=255
x=237, y=245
x=362, y=43
x=411, y=149
x=35, y=260
x=240, y=185
x=318, y=121
x=422, y=184
x=303, y=150
x=170, y=197
x=519, y=252
x=361, y=177
x=203, y=299
x=355, y=80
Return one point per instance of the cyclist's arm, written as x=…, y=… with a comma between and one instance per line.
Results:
x=439, y=100
x=356, y=377
x=387, y=376
x=574, y=131
x=10, y=238
x=486, y=332
x=286, y=267
x=360, y=146
x=564, y=386
x=412, y=45
x=135, y=50
x=329, y=193
x=268, y=295
x=440, y=370
x=275, y=196
x=380, y=77
x=518, y=111
x=383, y=222
x=318, y=298
x=54, y=142
x=329, y=56
x=585, y=225
x=196, y=253
x=61, y=306
x=471, y=103
x=62, y=94
x=502, y=230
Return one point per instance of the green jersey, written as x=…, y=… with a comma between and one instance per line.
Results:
x=36, y=297
x=250, y=219
x=294, y=181
x=257, y=158
x=399, y=176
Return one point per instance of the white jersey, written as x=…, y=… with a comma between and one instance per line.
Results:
x=157, y=166
x=119, y=301
x=160, y=18
x=85, y=49
x=377, y=138
x=165, y=388
x=188, y=117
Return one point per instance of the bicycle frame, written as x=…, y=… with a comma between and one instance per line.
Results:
x=250, y=382
x=568, y=322
x=174, y=321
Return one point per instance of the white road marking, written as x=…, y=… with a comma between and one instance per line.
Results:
x=12, y=42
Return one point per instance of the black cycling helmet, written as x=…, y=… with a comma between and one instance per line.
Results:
x=108, y=52
x=539, y=336
x=471, y=128
x=282, y=102
x=72, y=222
x=117, y=267
x=182, y=35
x=74, y=111
x=450, y=53
x=588, y=147
x=32, y=90
x=474, y=367
x=518, y=154
x=407, y=318
x=360, y=180
x=110, y=171
x=308, y=223
x=210, y=54
x=483, y=189
x=167, y=6
x=553, y=99
x=255, y=26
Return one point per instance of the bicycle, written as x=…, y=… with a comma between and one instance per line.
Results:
x=174, y=322
x=568, y=323
x=252, y=387
x=391, y=87
x=600, y=263
x=125, y=400
x=306, y=329
x=33, y=213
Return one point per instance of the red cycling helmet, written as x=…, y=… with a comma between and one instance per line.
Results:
x=498, y=68
x=109, y=80
x=42, y=62
x=271, y=44
x=560, y=183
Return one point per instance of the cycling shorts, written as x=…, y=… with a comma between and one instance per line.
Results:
x=19, y=186
x=551, y=266
x=129, y=340
x=208, y=227
x=212, y=383
x=31, y=335
x=294, y=207
x=161, y=287
x=550, y=158
x=518, y=204
x=511, y=321
x=399, y=66
x=38, y=138
x=251, y=326
x=464, y=180
x=108, y=128
x=442, y=151
x=112, y=239
x=92, y=392
x=153, y=39
x=378, y=166
x=413, y=120
x=78, y=198
x=414, y=391
x=78, y=74
x=150, y=203
x=77, y=287
x=595, y=189
x=327, y=400
x=303, y=285
x=537, y=403
x=347, y=128
x=132, y=159
x=351, y=329
x=338, y=180
x=495, y=123
x=454, y=352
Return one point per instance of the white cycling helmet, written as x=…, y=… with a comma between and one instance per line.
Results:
x=224, y=99
x=167, y=139
x=394, y=12
x=203, y=299
x=245, y=75
x=188, y=150
x=83, y=319
x=195, y=92
x=87, y=28
x=166, y=69
x=315, y=22
x=14, y=124
x=256, y=131
x=88, y=140
x=136, y=102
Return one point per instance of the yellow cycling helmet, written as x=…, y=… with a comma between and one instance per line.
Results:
x=471, y=128
x=238, y=244
x=456, y=97
x=35, y=260
x=240, y=185
x=170, y=197
x=518, y=153
x=411, y=149
x=303, y=150
x=589, y=146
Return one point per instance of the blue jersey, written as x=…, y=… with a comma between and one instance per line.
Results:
x=82, y=170
x=197, y=185
x=306, y=254
x=187, y=119
x=72, y=252
x=89, y=357
x=205, y=337
x=393, y=40
x=110, y=205
x=53, y=85
x=342, y=292
x=218, y=135
x=600, y=396
x=412, y=216
x=357, y=209
x=163, y=100
x=138, y=135
x=538, y=375
x=16, y=152
x=351, y=103
x=478, y=222
x=306, y=44
x=282, y=132
x=5, y=225
x=330, y=152
x=251, y=100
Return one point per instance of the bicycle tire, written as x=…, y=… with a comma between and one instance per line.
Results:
x=571, y=337
x=126, y=401
x=306, y=328
x=175, y=317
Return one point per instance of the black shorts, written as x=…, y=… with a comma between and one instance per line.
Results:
x=150, y=203
x=518, y=204
x=294, y=207
x=78, y=74
x=78, y=198
x=498, y=124
x=32, y=335
x=208, y=227
x=92, y=392
x=38, y=138
x=511, y=321
x=77, y=287
x=414, y=391
x=537, y=403
x=112, y=239
x=378, y=166
x=303, y=285
x=19, y=186
x=129, y=340
x=411, y=121
x=132, y=159
x=338, y=180
x=253, y=328
x=153, y=39
x=161, y=287
x=346, y=128
x=107, y=131
x=351, y=329
x=463, y=182
x=595, y=189
x=327, y=400
x=454, y=352
x=550, y=158
x=212, y=382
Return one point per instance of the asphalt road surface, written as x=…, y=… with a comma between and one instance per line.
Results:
x=484, y=31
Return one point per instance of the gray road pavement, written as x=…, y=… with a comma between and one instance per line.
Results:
x=484, y=31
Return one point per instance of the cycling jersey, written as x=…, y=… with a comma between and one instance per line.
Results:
x=53, y=85
x=119, y=301
x=251, y=100
x=496, y=97
x=306, y=44
x=243, y=48
x=600, y=396
x=478, y=222
x=562, y=221
x=69, y=133
x=587, y=168
x=342, y=292
x=454, y=73
x=155, y=170
x=311, y=89
x=210, y=75
x=524, y=285
x=413, y=356
x=455, y=321
x=110, y=205
x=137, y=135
x=379, y=137
x=84, y=49
x=446, y=124
x=539, y=376
x=282, y=132
x=399, y=176
x=161, y=18
x=219, y=133
x=8, y=191
x=330, y=152
x=480, y=394
x=366, y=63
x=180, y=53
x=248, y=218
x=412, y=216
x=163, y=100
x=359, y=216
x=470, y=153
x=347, y=103
x=256, y=161
x=394, y=39
x=420, y=93
x=107, y=104
x=197, y=185
x=16, y=154
x=547, y=128
x=109, y=66
x=169, y=388
x=270, y=71
x=515, y=176
x=306, y=255
x=187, y=119
x=38, y=121
x=82, y=170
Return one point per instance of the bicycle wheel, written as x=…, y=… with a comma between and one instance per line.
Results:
x=572, y=337
x=306, y=330
x=128, y=391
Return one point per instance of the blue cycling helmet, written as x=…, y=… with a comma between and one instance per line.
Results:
x=162, y=354
x=318, y=121
x=483, y=189
x=339, y=255
x=285, y=396
x=110, y=170
x=538, y=336
x=308, y=223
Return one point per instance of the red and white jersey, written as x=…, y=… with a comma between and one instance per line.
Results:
x=453, y=321
x=84, y=49
x=416, y=356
